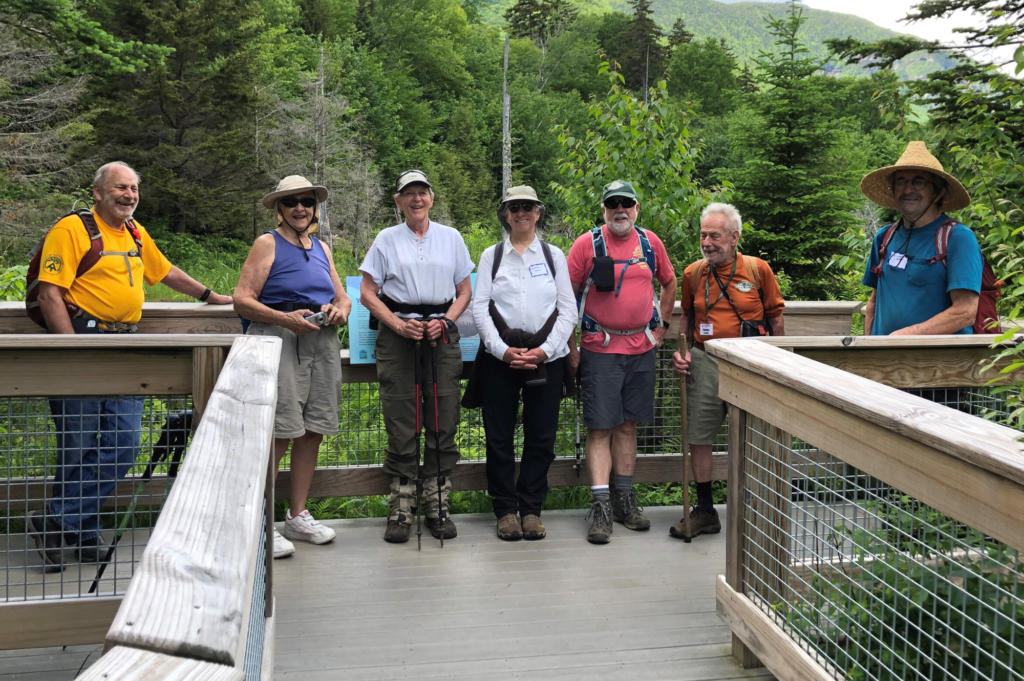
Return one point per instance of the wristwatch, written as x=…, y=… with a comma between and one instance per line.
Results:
x=449, y=323
x=665, y=324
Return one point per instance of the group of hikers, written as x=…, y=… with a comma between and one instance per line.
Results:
x=617, y=286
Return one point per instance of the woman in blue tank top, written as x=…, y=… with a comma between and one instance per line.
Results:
x=290, y=289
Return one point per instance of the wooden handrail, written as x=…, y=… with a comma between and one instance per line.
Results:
x=191, y=591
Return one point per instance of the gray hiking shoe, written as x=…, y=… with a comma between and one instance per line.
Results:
x=432, y=511
x=49, y=539
x=600, y=531
x=625, y=510
x=403, y=496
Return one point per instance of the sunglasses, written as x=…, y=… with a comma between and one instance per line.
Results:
x=526, y=207
x=616, y=201
x=291, y=202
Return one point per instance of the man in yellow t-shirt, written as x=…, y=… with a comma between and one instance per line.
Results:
x=97, y=438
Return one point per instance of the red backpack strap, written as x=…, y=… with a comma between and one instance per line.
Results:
x=92, y=256
x=883, y=247
x=942, y=242
x=133, y=229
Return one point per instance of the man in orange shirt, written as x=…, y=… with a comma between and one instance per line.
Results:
x=725, y=295
x=97, y=438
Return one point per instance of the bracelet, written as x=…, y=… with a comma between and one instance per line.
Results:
x=206, y=294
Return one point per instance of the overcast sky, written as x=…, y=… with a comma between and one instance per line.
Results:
x=888, y=13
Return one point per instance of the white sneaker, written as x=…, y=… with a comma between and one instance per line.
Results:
x=282, y=547
x=304, y=527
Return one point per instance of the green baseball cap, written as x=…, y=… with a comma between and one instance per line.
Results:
x=618, y=188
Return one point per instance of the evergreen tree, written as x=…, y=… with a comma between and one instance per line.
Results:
x=790, y=188
x=705, y=72
x=746, y=80
x=540, y=20
x=641, y=56
x=679, y=35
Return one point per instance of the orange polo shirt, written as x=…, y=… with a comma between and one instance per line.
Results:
x=723, y=320
x=112, y=289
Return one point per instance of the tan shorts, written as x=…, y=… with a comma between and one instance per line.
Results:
x=705, y=411
x=308, y=382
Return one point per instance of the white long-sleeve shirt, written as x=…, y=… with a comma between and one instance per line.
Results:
x=525, y=294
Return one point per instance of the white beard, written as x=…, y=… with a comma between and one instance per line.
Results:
x=619, y=231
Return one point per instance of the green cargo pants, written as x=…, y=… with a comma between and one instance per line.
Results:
x=398, y=398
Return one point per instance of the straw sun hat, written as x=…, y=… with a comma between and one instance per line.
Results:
x=294, y=184
x=877, y=185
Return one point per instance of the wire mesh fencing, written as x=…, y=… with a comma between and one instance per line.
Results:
x=872, y=582
x=363, y=440
x=84, y=479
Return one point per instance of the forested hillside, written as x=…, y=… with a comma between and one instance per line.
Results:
x=742, y=25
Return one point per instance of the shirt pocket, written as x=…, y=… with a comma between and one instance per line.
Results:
x=920, y=273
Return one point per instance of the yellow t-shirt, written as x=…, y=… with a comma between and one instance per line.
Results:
x=112, y=290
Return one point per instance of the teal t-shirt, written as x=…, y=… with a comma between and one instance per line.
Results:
x=919, y=291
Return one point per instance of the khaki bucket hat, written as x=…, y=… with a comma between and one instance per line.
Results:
x=520, y=193
x=294, y=184
x=877, y=185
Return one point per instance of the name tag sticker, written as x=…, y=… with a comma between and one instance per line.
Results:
x=539, y=270
x=707, y=330
x=898, y=261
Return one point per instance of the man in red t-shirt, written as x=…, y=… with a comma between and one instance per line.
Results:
x=621, y=326
x=720, y=293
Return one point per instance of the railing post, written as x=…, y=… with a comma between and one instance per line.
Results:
x=735, y=522
x=207, y=363
x=268, y=496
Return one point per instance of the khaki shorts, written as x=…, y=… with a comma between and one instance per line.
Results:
x=705, y=411
x=308, y=381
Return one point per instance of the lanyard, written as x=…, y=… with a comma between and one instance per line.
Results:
x=721, y=290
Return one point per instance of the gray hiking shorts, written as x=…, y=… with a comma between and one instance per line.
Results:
x=308, y=381
x=617, y=388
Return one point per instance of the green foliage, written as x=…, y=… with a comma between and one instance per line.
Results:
x=910, y=582
x=793, y=184
x=12, y=283
x=638, y=48
x=646, y=144
x=704, y=72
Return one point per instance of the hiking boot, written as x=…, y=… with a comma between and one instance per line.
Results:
x=92, y=550
x=533, y=528
x=49, y=538
x=282, y=547
x=304, y=527
x=509, y=528
x=600, y=531
x=702, y=521
x=402, y=500
x=625, y=510
x=431, y=510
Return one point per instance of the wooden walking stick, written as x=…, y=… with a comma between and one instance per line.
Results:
x=684, y=432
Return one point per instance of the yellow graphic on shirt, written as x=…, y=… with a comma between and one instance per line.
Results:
x=638, y=253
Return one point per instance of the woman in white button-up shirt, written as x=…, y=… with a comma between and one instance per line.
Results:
x=529, y=286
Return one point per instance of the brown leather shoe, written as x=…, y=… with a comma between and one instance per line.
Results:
x=509, y=528
x=398, y=530
x=533, y=528
x=701, y=522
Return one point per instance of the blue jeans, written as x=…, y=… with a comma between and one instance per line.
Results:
x=97, y=441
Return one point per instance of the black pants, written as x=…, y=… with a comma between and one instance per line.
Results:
x=501, y=389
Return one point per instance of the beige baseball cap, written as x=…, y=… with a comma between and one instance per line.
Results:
x=411, y=177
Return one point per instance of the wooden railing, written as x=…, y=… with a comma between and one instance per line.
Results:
x=41, y=365
x=828, y=414
x=203, y=588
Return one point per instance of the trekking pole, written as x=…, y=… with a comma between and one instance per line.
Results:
x=437, y=444
x=175, y=446
x=419, y=483
x=685, y=435
x=578, y=466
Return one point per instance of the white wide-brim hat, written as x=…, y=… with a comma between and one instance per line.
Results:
x=294, y=184
x=877, y=185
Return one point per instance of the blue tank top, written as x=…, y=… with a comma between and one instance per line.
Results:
x=292, y=278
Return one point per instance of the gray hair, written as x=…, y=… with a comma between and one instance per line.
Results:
x=732, y=216
x=100, y=178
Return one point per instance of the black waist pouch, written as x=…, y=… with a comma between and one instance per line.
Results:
x=754, y=328
x=604, y=273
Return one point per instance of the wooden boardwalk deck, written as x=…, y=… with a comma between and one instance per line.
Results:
x=642, y=607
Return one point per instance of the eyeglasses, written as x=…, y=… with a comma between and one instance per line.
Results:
x=616, y=201
x=919, y=183
x=526, y=207
x=291, y=202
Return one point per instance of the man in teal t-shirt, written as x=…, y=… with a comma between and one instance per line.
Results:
x=915, y=295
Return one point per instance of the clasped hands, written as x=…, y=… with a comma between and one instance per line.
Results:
x=521, y=358
x=415, y=329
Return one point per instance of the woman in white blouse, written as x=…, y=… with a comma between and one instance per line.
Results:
x=525, y=311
